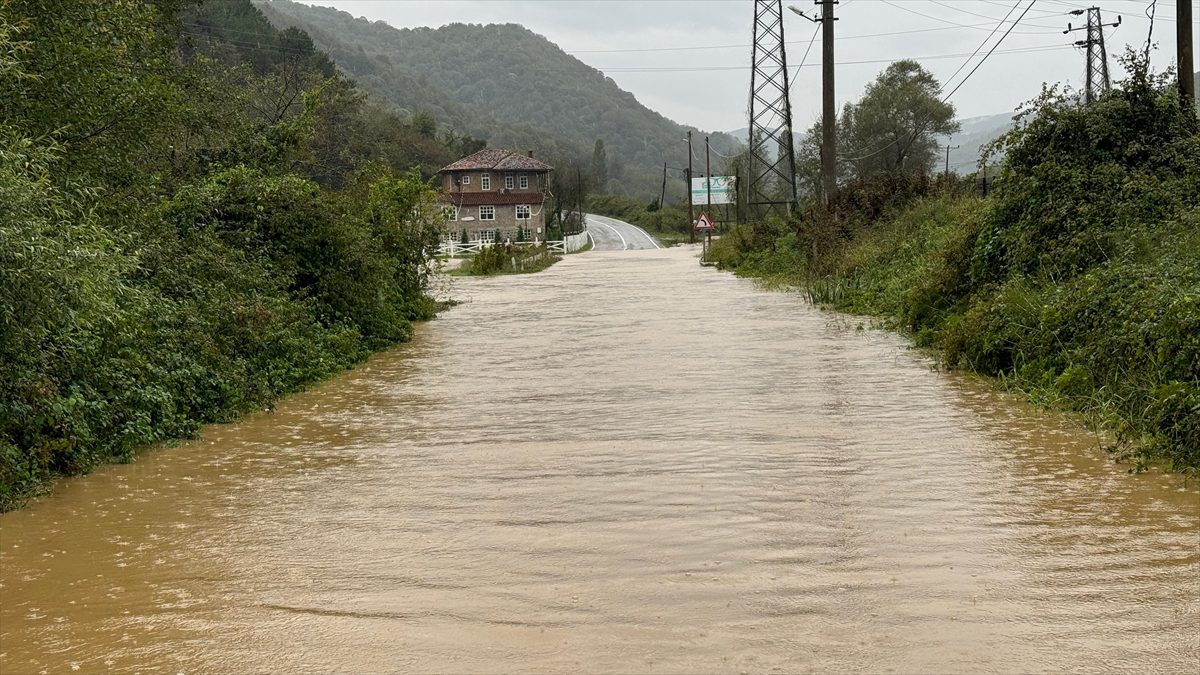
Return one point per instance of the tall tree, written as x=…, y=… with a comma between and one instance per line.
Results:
x=893, y=127
x=600, y=165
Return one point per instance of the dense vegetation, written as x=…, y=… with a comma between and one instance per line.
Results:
x=508, y=83
x=193, y=225
x=508, y=259
x=1077, y=280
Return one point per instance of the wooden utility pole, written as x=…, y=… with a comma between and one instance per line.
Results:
x=828, y=104
x=828, y=113
x=691, y=216
x=708, y=184
x=1183, y=51
x=708, y=174
x=662, y=199
x=948, y=149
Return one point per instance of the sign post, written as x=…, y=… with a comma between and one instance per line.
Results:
x=704, y=225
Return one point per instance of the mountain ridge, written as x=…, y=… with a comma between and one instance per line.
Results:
x=505, y=83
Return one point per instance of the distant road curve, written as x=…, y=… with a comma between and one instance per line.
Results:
x=610, y=234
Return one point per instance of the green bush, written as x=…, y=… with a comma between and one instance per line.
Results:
x=1077, y=280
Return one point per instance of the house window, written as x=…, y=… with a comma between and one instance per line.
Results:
x=466, y=179
x=449, y=213
x=522, y=212
x=508, y=181
x=485, y=182
x=487, y=212
x=524, y=182
x=485, y=236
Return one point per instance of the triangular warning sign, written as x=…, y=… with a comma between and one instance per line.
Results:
x=703, y=223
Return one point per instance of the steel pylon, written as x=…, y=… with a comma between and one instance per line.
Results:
x=772, y=180
x=1096, y=75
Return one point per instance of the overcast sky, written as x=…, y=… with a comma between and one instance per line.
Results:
x=625, y=38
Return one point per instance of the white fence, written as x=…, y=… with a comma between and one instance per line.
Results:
x=455, y=249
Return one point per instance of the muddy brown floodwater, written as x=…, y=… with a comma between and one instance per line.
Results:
x=627, y=463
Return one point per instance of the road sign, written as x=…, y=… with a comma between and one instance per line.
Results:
x=723, y=190
x=704, y=223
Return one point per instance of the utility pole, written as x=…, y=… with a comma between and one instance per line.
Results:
x=828, y=103
x=828, y=114
x=579, y=197
x=771, y=183
x=1184, y=64
x=663, y=198
x=1097, y=56
x=708, y=175
x=948, y=148
x=708, y=185
x=691, y=216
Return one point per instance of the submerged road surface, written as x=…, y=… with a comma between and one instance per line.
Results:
x=610, y=234
x=627, y=463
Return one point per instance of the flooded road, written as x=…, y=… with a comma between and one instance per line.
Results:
x=626, y=463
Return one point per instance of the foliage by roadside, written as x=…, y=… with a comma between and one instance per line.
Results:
x=190, y=231
x=1077, y=281
x=507, y=259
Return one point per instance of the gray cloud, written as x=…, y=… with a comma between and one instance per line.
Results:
x=940, y=34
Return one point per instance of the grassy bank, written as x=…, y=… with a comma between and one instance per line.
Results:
x=1077, y=281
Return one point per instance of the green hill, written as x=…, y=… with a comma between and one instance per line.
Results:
x=506, y=84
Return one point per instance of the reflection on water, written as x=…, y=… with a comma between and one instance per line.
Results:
x=625, y=463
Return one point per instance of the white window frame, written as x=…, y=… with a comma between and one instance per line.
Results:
x=449, y=213
x=524, y=181
x=485, y=181
x=484, y=236
x=466, y=179
x=528, y=211
x=508, y=181
x=489, y=209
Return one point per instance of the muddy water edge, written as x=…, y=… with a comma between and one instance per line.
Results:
x=626, y=463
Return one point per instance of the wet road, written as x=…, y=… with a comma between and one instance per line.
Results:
x=610, y=234
x=627, y=463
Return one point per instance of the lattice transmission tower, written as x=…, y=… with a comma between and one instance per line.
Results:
x=772, y=179
x=1097, y=56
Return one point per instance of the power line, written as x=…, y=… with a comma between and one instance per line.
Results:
x=806, y=51
x=920, y=128
x=993, y=49
x=671, y=69
x=984, y=16
x=947, y=21
x=985, y=41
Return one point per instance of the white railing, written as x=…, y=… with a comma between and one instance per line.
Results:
x=569, y=244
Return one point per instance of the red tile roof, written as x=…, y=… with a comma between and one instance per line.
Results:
x=493, y=198
x=498, y=159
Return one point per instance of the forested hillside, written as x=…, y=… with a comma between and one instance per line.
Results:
x=505, y=83
x=199, y=215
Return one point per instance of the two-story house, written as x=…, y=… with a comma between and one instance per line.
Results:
x=494, y=193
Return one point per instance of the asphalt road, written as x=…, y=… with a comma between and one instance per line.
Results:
x=610, y=234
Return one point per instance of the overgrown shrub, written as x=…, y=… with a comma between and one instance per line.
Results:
x=1077, y=280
